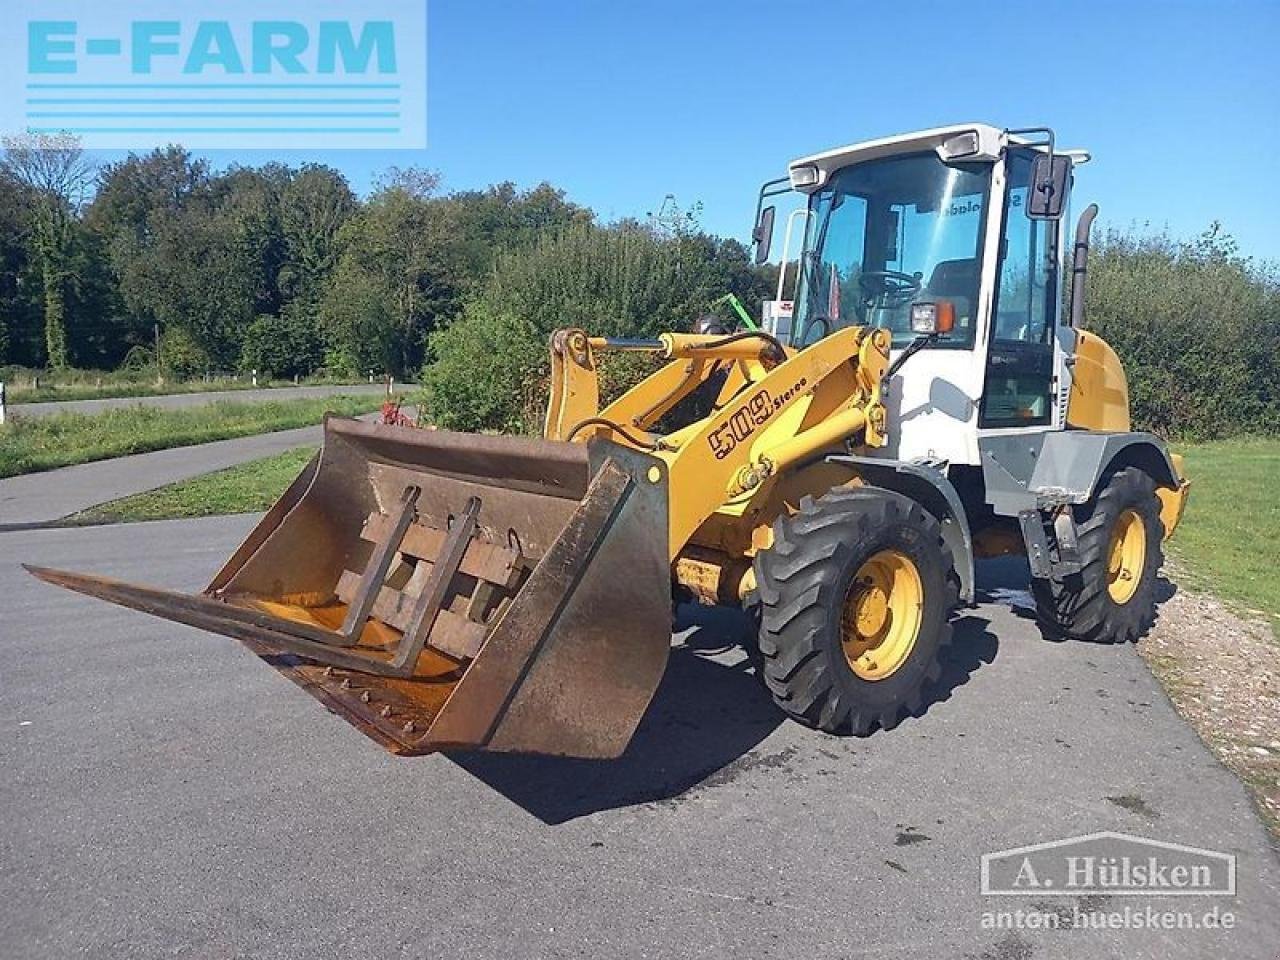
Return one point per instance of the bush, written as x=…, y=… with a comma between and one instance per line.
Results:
x=489, y=368
x=181, y=355
x=1198, y=330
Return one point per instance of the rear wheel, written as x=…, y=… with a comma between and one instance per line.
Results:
x=1113, y=597
x=854, y=599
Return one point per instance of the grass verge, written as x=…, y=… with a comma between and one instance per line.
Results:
x=246, y=488
x=29, y=445
x=1226, y=543
x=99, y=385
x=1214, y=646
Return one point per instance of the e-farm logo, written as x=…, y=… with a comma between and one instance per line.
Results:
x=276, y=74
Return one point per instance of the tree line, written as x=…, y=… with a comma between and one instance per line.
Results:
x=276, y=268
x=285, y=270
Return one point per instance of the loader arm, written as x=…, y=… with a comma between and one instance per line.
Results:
x=754, y=432
x=575, y=390
x=443, y=591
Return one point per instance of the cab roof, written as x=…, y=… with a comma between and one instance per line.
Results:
x=990, y=142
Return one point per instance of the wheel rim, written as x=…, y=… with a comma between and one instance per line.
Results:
x=882, y=614
x=1125, y=556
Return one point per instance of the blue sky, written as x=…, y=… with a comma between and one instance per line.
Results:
x=622, y=103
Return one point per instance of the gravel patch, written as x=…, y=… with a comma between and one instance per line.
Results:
x=1222, y=673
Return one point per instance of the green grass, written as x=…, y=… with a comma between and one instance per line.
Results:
x=1229, y=540
x=247, y=488
x=29, y=445
x=98, y=385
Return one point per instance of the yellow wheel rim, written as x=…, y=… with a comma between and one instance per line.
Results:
x=1126, y=555
x=882, y=614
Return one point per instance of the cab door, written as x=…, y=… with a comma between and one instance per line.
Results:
x=1019, y=384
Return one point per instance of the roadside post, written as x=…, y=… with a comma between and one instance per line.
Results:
x=4, y=414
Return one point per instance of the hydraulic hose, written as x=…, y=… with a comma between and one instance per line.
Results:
x=779, y=352
x=617, y=428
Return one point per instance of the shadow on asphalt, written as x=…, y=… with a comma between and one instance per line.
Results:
x=706, y=715
x=973, y=646
x=1007, y=580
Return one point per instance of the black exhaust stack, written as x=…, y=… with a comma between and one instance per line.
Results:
x=1080, y=264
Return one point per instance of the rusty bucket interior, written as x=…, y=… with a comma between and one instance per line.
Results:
x=443, y=590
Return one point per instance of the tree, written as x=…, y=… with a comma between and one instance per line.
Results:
x=314, y=206
x=199, y=273
x=132, y=192
x=136, y=201
x=416, y=182
x=409, y=257
x=400, y=274
x=54, y=170
x=501, y=218
x=19, y=313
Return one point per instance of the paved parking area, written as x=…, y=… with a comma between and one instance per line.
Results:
x=165, y=795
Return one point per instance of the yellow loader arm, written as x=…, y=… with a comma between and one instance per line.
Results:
x=776, y=407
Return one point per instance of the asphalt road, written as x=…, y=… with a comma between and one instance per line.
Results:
x=173, y=401
x=39, y=498
x=166, y=795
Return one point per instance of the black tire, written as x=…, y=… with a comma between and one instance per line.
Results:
x=1080, y=606
x=803, y=581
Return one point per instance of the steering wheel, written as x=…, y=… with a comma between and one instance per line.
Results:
x=815, y=321
x=896, y=288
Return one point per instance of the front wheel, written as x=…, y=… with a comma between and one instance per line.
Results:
x=1113, y=597
x=854, y=598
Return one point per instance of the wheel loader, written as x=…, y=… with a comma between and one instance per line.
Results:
x=920, y=400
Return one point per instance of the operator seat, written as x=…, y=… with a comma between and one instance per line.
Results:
x=957, y=281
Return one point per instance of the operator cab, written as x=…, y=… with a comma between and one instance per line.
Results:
x=938, y=218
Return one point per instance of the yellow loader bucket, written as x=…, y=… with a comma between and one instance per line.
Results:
x=443, y=590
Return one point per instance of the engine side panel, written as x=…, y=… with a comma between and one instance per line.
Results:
x=1099, y=397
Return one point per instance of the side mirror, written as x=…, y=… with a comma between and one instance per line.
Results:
x=762, y=235
x=1050, y=180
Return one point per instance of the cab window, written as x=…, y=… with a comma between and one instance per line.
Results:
x=889, y=232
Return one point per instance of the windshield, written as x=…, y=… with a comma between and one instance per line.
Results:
x=885, y=234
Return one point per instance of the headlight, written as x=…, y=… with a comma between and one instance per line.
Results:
x=805, y=176
x=961, y=145
x=932, y=317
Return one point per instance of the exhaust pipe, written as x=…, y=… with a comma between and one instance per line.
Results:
x=1080, y=264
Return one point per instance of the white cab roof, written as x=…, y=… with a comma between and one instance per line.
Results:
x=991, y=141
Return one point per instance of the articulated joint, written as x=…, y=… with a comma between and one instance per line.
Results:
x=574, y=344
